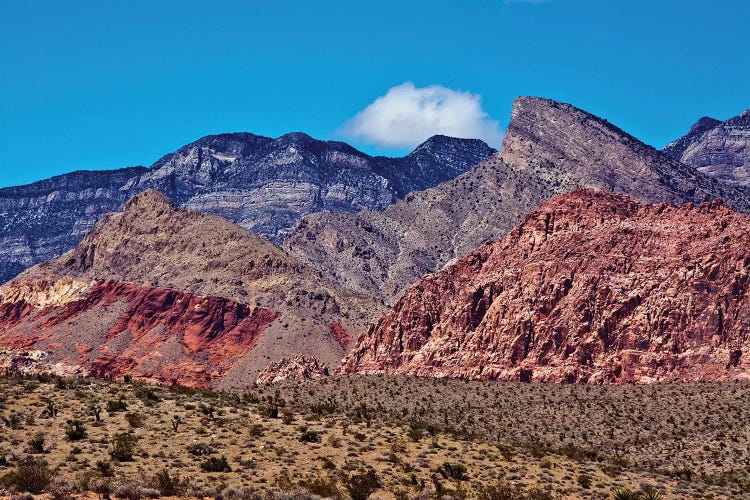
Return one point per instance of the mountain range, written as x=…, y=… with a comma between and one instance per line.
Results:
x=550, y=148
x=631, y=270
x=167, y=294
x=265, y=185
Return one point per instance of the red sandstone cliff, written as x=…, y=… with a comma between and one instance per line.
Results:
x=591, y=287
x=113, y=329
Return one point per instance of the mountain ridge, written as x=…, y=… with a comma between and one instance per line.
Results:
x=264, y=184
x=549, y=148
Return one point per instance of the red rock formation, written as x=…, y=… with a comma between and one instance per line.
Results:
x=115, y=328
x=296, y=368
x=592, y=287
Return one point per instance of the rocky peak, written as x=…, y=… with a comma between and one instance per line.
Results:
x=718, y=149
x=591, y=287
x=570, y=148
x=150, y=200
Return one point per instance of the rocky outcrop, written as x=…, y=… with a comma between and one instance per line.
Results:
x=113, y=329
x=263, y=184
x=550, y=148
x=719, y=149
x=297, y=368
x=193, y=280
x=592, y=287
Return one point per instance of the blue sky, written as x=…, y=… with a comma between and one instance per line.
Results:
x=96, y=85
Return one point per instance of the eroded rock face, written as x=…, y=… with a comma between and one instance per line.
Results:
x=113, y=329
x=550, y=148
x=297, y=368
x=263, y=184
x=592, y=287
x=171, y=264
x=719, y=149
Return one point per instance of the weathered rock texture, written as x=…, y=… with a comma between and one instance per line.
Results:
x=263, y=184
x=720, y=149
x=297, y=368
x=592, y=287
x=156, y=275
x=550, y=148
x=153, y=333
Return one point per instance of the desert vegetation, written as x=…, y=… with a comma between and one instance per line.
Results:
x=362, y=437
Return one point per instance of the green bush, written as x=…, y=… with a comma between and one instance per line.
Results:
x=31, y=474
x=36, y=443
x=216, y=464
x=310, y=437
x=168, y=484
x=361, y=485
x=123, y=447
x=115, y=405
x=453, y=470
x=75, y=430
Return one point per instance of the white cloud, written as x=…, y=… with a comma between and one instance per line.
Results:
x=406, y=116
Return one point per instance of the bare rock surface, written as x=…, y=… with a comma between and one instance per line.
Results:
x=265, y=185
x=591, y=287
x=550, y=148
x=720, y=149
x=193, y=288
x=295, y=368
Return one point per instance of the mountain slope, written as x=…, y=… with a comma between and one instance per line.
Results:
x=720, y=149
x=263, y=184
x=592, y=287
x=187, y=286
x=550, y=148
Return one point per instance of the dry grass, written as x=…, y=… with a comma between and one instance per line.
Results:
x=422, y=438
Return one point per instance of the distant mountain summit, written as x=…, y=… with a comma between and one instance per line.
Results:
x=720, y=149
x=550, y=148
x=263, y=184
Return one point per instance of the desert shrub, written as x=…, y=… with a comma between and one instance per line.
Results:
x=146, y=394
x=324, y=486
x=310, y=437
x=131, y=490
x=30, y=474
x=60, y=490
x=123, y=447
x=361, y=485
x=36, y=443
x=135, y=419
x=116, y=405
x=168, y=484
x=624, y=494
x=583, y=480
x=269, y=411
x=538, y=493
x=499, y=490
x=683, y=473
x=216, y=464
x=105, y=468
x=200, y=449
x=453, y=470
x=75, y=430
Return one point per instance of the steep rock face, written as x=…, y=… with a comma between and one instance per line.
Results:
x=592, y=287
x=550, y=148
x=147, y=332
x=297, y=368
x=719, y=149
x=263, y=184
x=158, y=247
